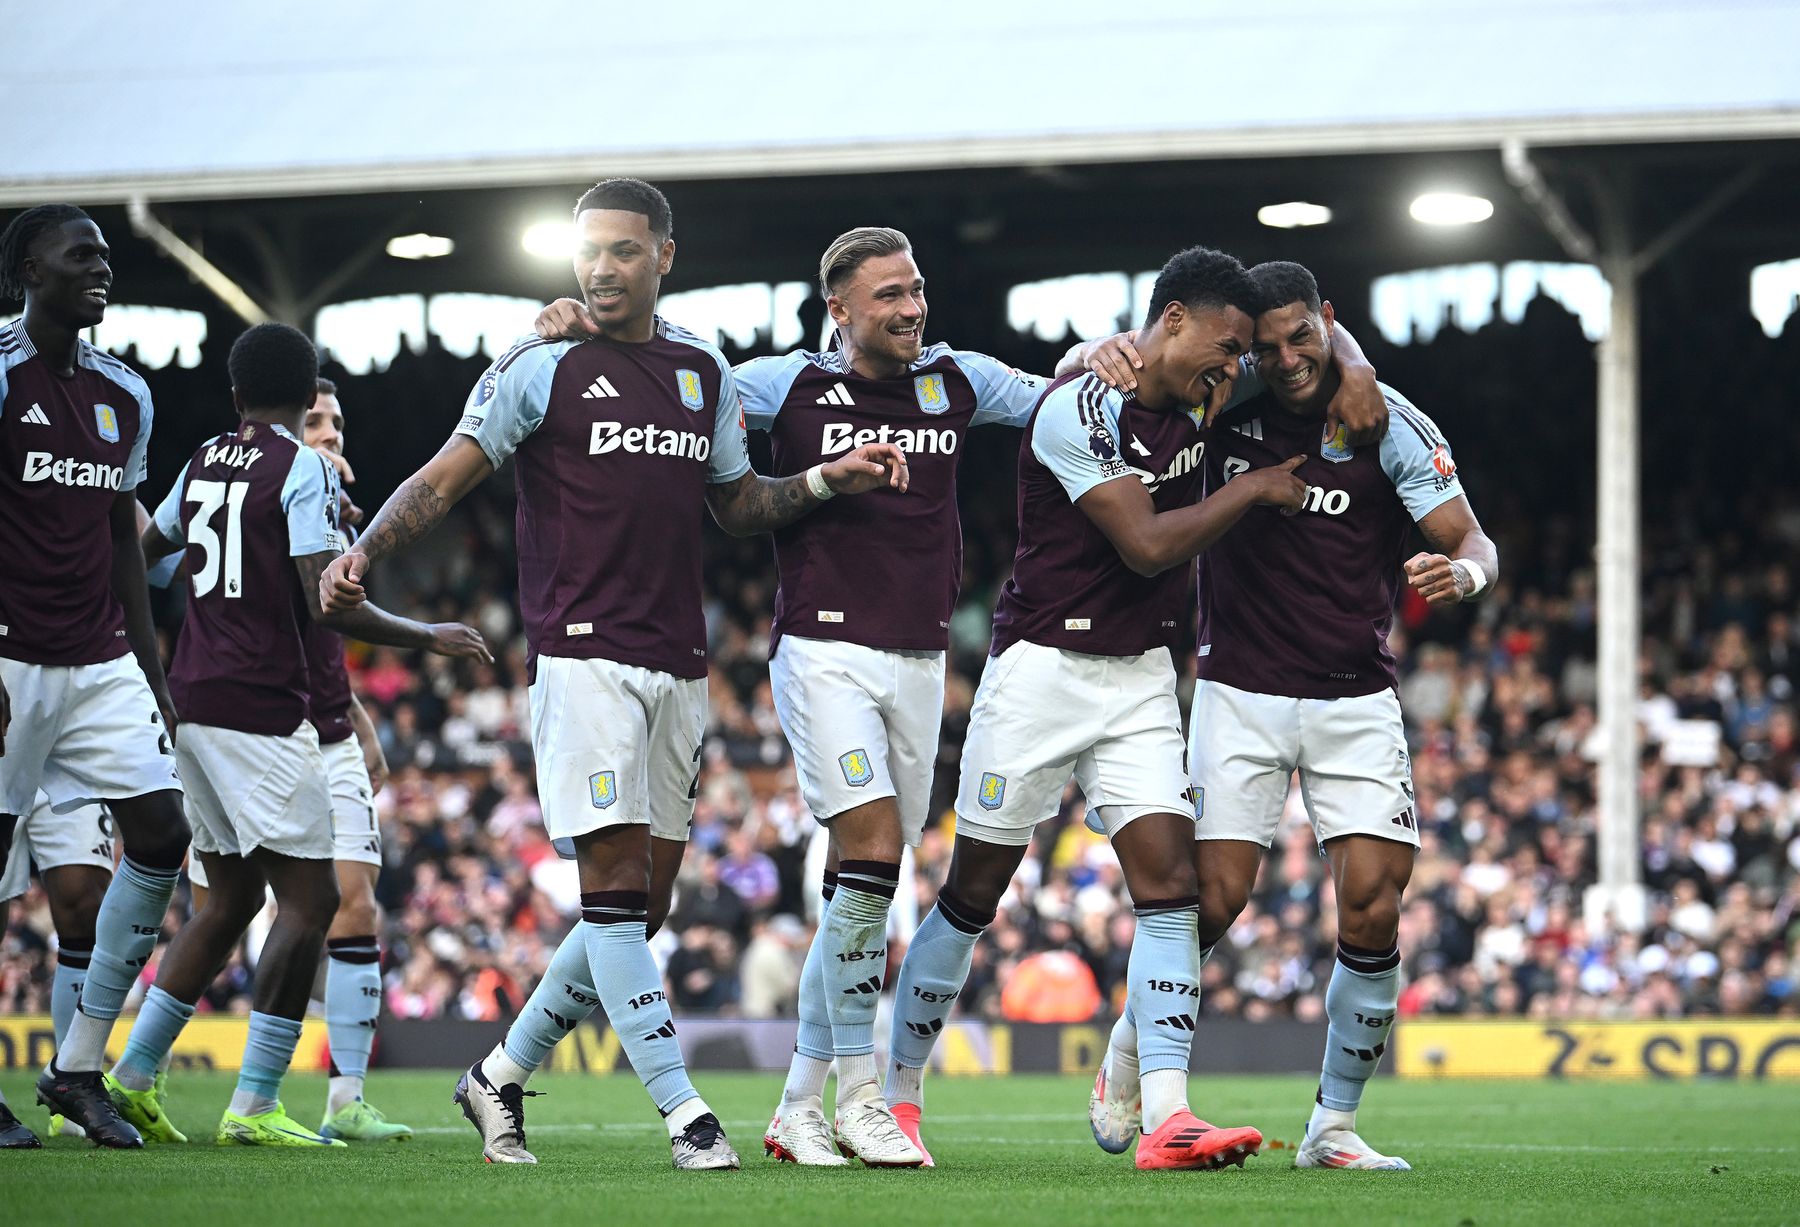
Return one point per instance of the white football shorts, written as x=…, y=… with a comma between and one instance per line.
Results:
x=82, y=733
x=616, y=745
x=863, y=723
x=83, y=836
x=1044, y=714
x=252, y=790
x=355, y=831
x=1355, y=775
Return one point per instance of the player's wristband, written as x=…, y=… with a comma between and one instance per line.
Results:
x=815, y=483
x=1478, y=580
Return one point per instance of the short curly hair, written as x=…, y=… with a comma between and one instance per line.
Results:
x=1201, y=277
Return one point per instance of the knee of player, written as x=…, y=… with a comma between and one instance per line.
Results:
x=356, y=915
x=1220, y=904
x=1372, y=922
x=154, y=830
x=1165, y=883
x=313, y=902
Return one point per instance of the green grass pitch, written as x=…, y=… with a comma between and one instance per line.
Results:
x=1010, y=1151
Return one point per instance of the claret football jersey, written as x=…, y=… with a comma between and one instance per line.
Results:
x=881, y=569
x=1301, y=605
x=69, y=446
x=246, y=505
x=613, y=445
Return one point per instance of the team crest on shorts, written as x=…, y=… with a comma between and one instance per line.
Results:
x=1337, y=448
x=992, y=790
x=108, y=422
x=930, y=391
x=857, y=770
x=1197, y=795
x=603, y=787
x=688, y=384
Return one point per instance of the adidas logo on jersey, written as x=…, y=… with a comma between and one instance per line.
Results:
x=37, y=417
x=839, y=395
x=600, y=389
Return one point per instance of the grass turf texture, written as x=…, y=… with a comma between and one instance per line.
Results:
x=1010, y=1150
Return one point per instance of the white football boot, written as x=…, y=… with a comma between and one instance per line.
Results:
x=798, y=1134
x=866, y=1130
x=498, y=1114
x=1115, y=1107
x=702, y=1146
x=1343, y=1148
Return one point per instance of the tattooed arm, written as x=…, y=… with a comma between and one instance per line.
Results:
x=1455, y=537
x=413, y=511
x=753, y=504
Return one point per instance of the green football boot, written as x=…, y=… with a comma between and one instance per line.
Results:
x=144, y=1109
x=272, y=1128
x=358, y=1121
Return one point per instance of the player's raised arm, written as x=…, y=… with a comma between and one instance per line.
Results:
x=753, y=504
x=1358, y=405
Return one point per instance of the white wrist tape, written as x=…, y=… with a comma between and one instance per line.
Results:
x=815, y=483
x=1478, y=580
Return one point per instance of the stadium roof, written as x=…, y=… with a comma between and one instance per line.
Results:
x=113, y=99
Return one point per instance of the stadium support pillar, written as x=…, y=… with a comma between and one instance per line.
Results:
x=198, y=266
x=1618, y=900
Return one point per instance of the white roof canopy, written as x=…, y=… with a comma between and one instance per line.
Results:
x=109, y=99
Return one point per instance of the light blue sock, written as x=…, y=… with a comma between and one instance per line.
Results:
x=125, y=933
x=267, y=1054
x=932, y=976
x=1359, y=1011
x=813, y=1052
x=613, y=928
x=1163, y=984
x=352, y=1003
x=854, y=956
x=65, y=988
x=159, y=1020
x=564, y=998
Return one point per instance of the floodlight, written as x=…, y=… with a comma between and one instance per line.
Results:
x=549, y=240
x=1451, y=209
x=1293, y=213
x=419, y=246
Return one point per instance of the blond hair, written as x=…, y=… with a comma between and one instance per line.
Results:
x=850, y=249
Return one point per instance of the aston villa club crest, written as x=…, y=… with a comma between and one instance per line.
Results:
x=1337, y=448
x=992, y=790
x=688, y=384
x=108, y=422
x=603, y=786
x=856, y=767
x=933, y=398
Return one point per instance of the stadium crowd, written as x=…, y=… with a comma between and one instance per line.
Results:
x=1499, y=699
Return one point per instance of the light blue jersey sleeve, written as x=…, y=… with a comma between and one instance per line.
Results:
x=510, y=400
x=1416, y=457
x=1004, y=396
x=137, y=467
x=309, y=500
x=730, y=451
x=763, y=385
x=1077, y=436
x=168, y=512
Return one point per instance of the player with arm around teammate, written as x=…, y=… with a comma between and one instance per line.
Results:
x=1081, y=679
x=84, y=708
x=1295, y=673
x=617, y=443
x=861, y=625
x=257, y=510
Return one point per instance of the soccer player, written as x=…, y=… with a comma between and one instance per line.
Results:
x=617, y=443
x=1296, y=674
x=257, y=510
x=357, y=769
x=84, y=709
x=1086, y=629
x=862, y=615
